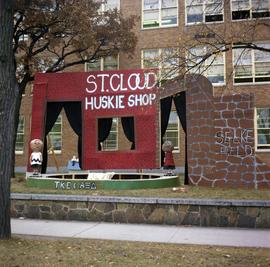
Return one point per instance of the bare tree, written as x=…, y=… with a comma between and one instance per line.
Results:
x=203, y=44
x=53, y=35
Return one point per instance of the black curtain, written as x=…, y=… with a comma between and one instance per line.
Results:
x=53, y=111
x=74, y=115
x=128, y=127
x=104, y=128
x=165, y=109
x=180, y=105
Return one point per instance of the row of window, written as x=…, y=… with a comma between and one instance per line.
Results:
x=164, y=13
x=110, y=144
x=250, y=65
x=54, y=136
x=262, y=126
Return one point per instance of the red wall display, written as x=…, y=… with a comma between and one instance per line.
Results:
x=102, y=95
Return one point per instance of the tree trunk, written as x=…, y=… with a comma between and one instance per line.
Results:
x=8, y=98
x=16, y=124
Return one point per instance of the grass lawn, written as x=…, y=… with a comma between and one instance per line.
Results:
x=18, y=185
x=79, y=252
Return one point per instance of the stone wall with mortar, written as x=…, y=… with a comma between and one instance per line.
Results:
x=220, y=136
x=221, y=141
x=197, y=212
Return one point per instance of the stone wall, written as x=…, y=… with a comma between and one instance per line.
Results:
x=221, y=141
x=216, y=213
x=220, y=136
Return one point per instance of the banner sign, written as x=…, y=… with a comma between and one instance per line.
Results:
x=119, y=91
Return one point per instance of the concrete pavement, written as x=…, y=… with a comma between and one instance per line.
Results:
x=143, y=232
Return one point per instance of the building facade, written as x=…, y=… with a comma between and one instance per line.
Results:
x=170, y=31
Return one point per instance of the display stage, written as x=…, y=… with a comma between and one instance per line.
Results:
x=102, y=181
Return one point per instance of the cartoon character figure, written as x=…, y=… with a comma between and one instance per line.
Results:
x=168, y=165
x=74, y=160
x=36, y=156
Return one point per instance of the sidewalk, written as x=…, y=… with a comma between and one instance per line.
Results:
x=143, y=232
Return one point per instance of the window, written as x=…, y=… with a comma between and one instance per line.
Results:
x=111, y=143
x=49, y=62
x=112, y=4
x=93, y=65
x=109, y=5
x=263, y=128
x=201, y=11
x=110, y=63
x=250, y=65
x=106, y=63
x=213, y=67
x=19, y=146
x=23, y=37
x=159, y=13
x=165, y=59
x=172, y=132
x=250, y=9
x=55, y=136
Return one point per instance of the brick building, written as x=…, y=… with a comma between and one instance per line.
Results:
x=161, y=26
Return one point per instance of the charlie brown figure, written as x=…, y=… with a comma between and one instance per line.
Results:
x=36, y=156
x=168, y=165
